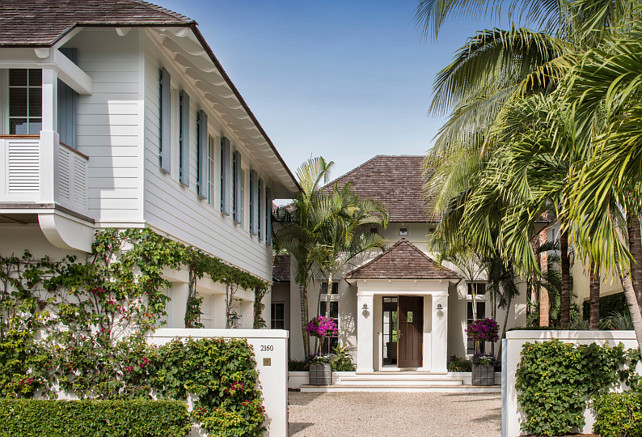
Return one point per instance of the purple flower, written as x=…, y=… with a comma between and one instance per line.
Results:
x=321, y=327
x=483, y=330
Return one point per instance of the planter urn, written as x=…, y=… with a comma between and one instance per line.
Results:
x=483, y=375
x=320, y=374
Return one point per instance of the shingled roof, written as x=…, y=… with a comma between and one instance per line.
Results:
x=281, y=269
x=43, y=22
x=402, y=260
x=395, y=181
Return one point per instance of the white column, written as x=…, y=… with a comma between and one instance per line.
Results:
x=178, y=293
x=439, y=358
x=365, y=334
x=219, y=311
x=49, y=139
x=247, y=314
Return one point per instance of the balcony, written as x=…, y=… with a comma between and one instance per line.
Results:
x=36, y=178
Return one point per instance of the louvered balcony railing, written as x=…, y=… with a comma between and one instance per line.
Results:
x=25, y=181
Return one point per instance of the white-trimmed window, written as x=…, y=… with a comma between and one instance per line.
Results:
x=183, y=138
x=242, y=199
x=165, y=122
x=225, y=176
x=334, y=307
x=481, y=301
x=25, y=101
x=278, y=315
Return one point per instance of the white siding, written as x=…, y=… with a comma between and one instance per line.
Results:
x=177, y=210
x=109, y=125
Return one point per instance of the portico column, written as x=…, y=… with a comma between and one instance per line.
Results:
x=49, y=138
x=365, y=333
x=439, y=355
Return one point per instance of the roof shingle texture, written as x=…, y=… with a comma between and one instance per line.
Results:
x=43, y=22
x=395, y=181
x=281, y=269
x=402, y=260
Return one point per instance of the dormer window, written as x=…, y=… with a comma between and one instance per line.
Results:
x=403, y=232
x=25, y=102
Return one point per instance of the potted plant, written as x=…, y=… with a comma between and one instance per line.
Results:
x=483, y=365
x=320, y=371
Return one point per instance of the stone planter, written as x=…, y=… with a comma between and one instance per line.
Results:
x=320, y=374
x=483, y=375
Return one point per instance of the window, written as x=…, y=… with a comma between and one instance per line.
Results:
x=25, y=102
x=259, y=208
x=480, y=300
x=236, y=186
x=201, y=154
x=334, y=307
x=67, y=105
x=278, y=315
x=210, y=170
x=268, y=216
x=403, y=231
x=242, y=199
x=164, y=111
x=225, y=176
x=183, y=138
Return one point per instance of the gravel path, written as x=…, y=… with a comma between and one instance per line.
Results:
x=394, y=414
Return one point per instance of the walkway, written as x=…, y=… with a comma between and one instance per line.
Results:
x=394, y=414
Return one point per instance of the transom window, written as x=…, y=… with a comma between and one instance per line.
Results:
x=278, y=315
x=25, y=101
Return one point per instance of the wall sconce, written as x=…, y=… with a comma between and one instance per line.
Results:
x=440, y=307
x=234, y=320
x=364, y=310
x=440, y=310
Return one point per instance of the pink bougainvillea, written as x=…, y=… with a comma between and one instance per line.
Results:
x=322, y=327
x=483, y=330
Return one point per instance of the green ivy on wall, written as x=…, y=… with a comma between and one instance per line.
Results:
x=556, y=381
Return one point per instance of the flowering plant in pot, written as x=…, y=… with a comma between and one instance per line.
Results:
x=483, y=330
x=322, y=328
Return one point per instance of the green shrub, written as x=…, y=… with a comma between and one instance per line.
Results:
x=555, y=381
x=48, y=418
x=459, y=364
x=619, y=415
x=342, y=360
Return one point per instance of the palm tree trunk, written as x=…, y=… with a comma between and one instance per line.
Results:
x=594, y=291
x=508, y=305
x=328, y=295
x=634, y=306
x=303, y=297
x=544, y=303
x=565, y=310
x=635, y=246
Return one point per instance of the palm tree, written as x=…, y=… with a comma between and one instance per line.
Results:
x=296, y=231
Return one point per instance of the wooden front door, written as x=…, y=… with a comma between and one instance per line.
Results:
x=411, y=326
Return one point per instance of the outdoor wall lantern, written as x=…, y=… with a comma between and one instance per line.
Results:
x=440, y=310
x=234, y=320
x=364, y=310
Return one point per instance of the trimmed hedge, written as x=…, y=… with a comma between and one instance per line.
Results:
x=127, y=418
x=619, y=415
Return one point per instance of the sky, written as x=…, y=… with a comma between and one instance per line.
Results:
x=346, y=80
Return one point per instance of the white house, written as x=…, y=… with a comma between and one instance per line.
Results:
x=118, y=114
x=396, y=310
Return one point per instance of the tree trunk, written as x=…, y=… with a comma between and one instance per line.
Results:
x=303, y=296
x=544, y=303
x=635, y=246
x=594, y=290
x=565, y=310
x=632, y=301
x=328, y=295
x=499, y=351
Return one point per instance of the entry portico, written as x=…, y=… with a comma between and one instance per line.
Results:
x=402, y=311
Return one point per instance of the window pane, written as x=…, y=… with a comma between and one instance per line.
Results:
x=278, y=311
x=35, y=77
x=18, y=102
x=35, y=126
x=35, y=102
x=18, y=126
x=17, y=77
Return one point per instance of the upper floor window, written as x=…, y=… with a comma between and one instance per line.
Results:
x=225, y=176
x=164, y=110
x=183, y=138
x=201, y=154
x=268, y=216
x=253, y=201
x=259, y=208
x=236, y=186
x=25, y=101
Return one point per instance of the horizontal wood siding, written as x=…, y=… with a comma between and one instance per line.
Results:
x=110, y=124
x=177, y=209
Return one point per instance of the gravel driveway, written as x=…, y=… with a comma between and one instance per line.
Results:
x=394, y=414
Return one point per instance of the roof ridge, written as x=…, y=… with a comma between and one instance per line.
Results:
x=375, y=258
x=164, y=10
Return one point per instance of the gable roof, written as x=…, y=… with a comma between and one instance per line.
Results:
x=281, y=268
x=402, y=260
x=43, y=22
x=395, y=181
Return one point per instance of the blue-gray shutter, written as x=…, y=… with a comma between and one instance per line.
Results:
x=184, y=139
x=68, y=105
x=259, y=221
x=268, y=215
x=236, y=186
x=254, y=218
x=165, y=113
x=225, y=176
x=201, y=154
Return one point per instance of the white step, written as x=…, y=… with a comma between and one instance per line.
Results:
x=414, y=382
x=400, y=389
